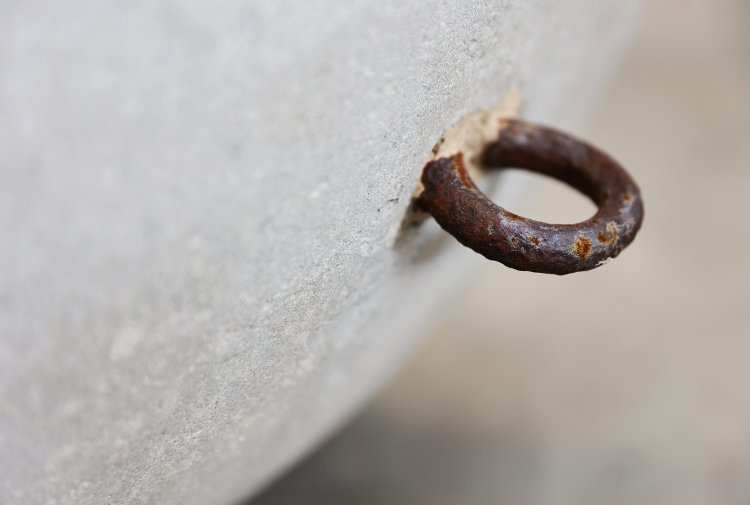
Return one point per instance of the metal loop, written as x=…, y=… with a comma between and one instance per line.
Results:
x=465, y=212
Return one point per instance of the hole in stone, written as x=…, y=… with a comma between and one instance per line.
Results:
x=543, y=198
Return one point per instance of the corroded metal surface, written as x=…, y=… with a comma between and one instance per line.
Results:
x=525, y=244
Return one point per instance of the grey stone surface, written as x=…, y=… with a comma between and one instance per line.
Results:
x=200, y=203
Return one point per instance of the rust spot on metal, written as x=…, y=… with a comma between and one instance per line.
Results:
x=582, y=247
x=465, y=212
x=461, y=170
x=609, y=236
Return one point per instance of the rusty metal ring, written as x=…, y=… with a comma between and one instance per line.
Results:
x=465, y=212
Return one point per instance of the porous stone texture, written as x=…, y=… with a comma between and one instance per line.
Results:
x=203, y=269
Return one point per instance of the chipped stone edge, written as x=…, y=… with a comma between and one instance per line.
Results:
x=473, y=132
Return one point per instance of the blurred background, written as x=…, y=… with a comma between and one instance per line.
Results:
x=628, y=384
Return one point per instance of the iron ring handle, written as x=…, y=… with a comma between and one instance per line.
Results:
x=470, y=216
